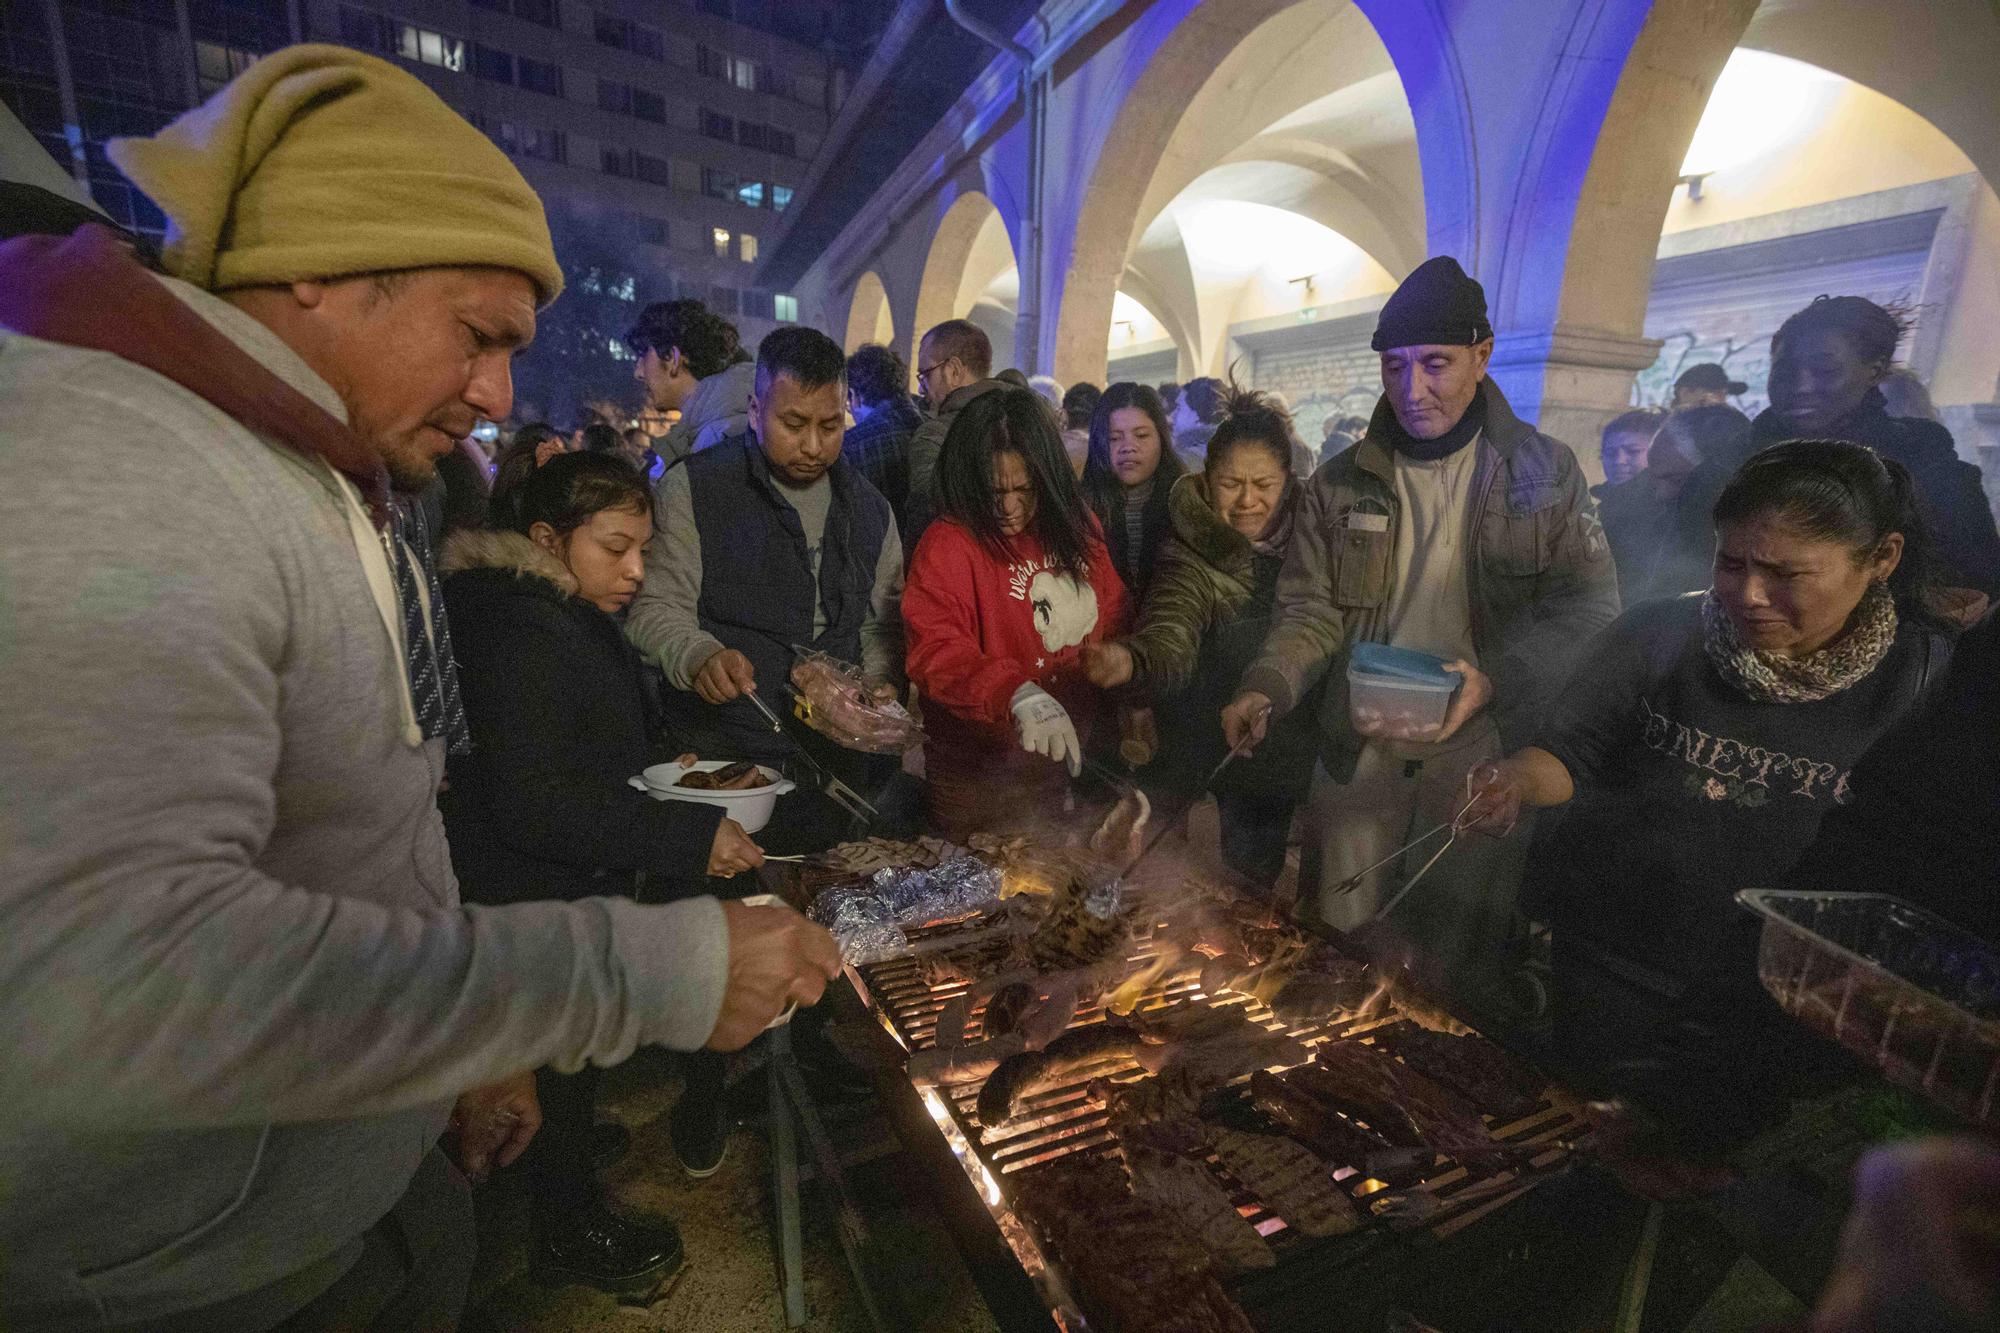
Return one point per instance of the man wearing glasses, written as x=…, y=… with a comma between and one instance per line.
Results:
x=953, y=362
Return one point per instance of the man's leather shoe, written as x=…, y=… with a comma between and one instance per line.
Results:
x=598, y=1248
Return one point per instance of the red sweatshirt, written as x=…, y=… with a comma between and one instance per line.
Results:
x=979, y=628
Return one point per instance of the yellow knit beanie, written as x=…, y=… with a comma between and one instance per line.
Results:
x=321, y=162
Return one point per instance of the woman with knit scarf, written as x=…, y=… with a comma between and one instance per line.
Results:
x=1696, y=750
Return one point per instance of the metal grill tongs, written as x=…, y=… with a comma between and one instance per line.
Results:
x=837, y=791
x=1453, y=826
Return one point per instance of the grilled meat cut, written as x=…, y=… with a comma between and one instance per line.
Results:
x=1005, y=1009
x=1317, y=997
x=1192, y=1022
x=1136, y=1269
x=1297, y=1185
x=739, y=776
x=1340, y=1141
x=1388, y=1092
x=1083, y=926
x=1217, y=1061
x=1187, y=1191
x=1160, y=1112
x=1070, y=1058
x=948, y=1066
x=1475, y=1068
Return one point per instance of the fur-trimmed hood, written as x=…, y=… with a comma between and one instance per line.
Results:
x=507, y=551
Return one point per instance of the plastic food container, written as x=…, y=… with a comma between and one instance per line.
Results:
x=751, y=809
x=1901, y=987
x=1398, y=694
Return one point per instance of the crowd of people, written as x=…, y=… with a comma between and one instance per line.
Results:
x=323, y=881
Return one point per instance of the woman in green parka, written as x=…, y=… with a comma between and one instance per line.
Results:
x=1205, y=615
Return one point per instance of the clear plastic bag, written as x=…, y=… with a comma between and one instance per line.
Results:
x=841, y=703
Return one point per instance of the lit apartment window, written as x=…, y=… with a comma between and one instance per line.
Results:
x=751, y=194
x=746, y=247
x=720, y=235
x=781, y=197
x=786, y=308
x=431, y=48
x=743, y=73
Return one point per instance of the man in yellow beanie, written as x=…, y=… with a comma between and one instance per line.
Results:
x=241, y=994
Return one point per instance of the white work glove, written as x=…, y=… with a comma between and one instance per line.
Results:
x=1044, y=727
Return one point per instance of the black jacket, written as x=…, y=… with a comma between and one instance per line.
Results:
x=1949, y=491
x=560, y=720
x=1924, y=823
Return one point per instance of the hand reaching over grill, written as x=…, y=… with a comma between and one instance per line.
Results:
x=1108, y=665
x=776, y=958
x=1245, y=719
x=1044, y=727
x=733, y=852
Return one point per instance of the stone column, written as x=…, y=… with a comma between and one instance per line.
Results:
x=1571, y=381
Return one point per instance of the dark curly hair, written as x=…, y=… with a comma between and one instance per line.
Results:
x=708, y=343
x=876, y=375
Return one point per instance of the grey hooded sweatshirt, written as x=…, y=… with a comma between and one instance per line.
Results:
x=238, y=991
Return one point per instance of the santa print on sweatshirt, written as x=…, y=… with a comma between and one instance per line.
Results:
x=980, y=627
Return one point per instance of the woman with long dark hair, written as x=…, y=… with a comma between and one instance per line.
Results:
x=1696, y=749
x=560, y=720
x=1005, y=591
x=1828, y=362
x=1128, y=476
x=1204, y=621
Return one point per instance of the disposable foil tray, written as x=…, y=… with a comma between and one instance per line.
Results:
x=1902, y=988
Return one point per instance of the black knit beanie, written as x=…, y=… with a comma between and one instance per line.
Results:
x=1436, y=305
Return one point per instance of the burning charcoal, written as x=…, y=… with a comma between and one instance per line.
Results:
x=1187, y=1191
x=1295, y=1184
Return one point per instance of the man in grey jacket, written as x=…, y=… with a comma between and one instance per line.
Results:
x=241, y=994
x=1454, y=529
x=689, y=361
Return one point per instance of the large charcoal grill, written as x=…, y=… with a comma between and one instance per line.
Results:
x=1067, y=1122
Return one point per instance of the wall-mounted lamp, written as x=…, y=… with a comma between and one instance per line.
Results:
x=1131, y=329
x=1693, y=183
x=1306, y=293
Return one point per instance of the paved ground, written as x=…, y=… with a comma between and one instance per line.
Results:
x=731, y=1279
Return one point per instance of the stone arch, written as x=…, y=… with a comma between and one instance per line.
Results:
x=1171, y=57
x=948, y=260
x=869, y=319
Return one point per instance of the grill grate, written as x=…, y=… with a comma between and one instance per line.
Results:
x=1066, y=1122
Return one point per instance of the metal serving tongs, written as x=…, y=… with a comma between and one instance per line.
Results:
x=1454, y=826
x=837, y=791
x=1167, y=826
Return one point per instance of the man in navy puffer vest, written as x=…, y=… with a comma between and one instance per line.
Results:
x=761, y=543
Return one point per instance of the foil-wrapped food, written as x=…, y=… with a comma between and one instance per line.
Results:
x=868, y=919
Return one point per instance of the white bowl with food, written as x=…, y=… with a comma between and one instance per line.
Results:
x=745, y=790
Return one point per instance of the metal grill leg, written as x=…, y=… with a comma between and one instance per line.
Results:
x=785, y=1179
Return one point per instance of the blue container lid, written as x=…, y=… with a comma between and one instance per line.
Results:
x=1379, y=659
